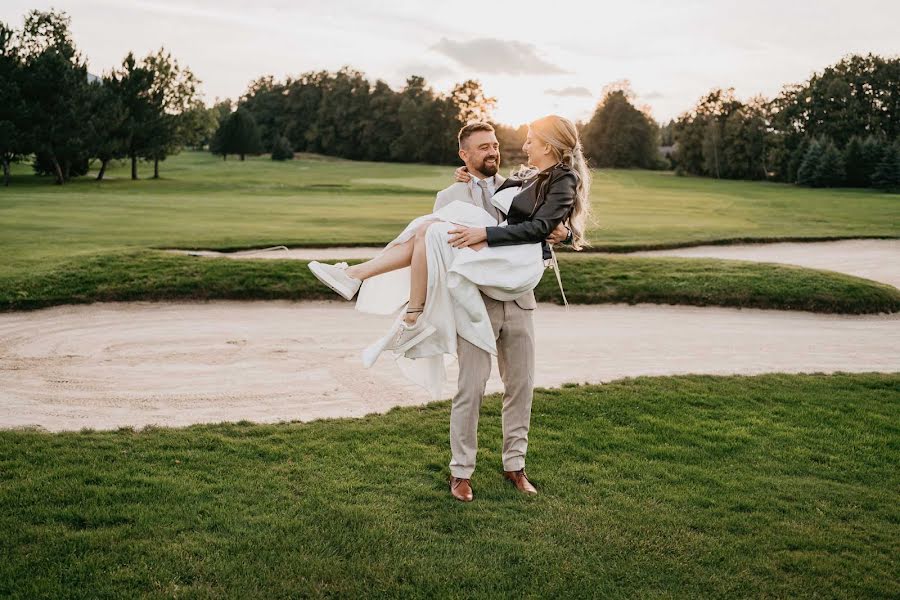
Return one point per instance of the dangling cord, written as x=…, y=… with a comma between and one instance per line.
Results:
x=555, y=264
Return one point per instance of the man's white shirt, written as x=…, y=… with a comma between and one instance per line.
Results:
x=470, y=193
x=466, y=192
x=491, y=185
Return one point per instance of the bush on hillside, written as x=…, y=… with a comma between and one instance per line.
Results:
x=281, y=149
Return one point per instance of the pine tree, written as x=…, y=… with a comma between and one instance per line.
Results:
x=831, y=168
x=797, y=159
x=54, y=83
x=13, y=115
x=854, y=163
x=872, y=151
x=887, y=174
x=238, y=134
x=133, y=83
x=808, y=172
x=247, y=140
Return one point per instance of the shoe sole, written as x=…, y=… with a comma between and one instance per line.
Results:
x=418, y=338
x=322, y=276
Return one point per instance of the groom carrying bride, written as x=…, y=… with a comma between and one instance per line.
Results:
x=471, y=266
x=513, y=328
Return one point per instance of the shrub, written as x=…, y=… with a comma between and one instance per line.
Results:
x=281, y=149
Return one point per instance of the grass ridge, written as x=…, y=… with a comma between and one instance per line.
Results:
x=600, y=248
x=161, y=276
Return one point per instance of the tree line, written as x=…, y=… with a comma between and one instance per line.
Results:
x=54, y=112
x=839, y=128
x=344, y=114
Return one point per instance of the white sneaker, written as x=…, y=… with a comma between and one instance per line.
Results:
x=406, y=336
x=335, y=277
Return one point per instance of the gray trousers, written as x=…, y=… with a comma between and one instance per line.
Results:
x=514, y=332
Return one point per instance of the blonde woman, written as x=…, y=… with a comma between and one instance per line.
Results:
x=461, y=249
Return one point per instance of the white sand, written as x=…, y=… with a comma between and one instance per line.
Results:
x=878, y=260
x=110, y=365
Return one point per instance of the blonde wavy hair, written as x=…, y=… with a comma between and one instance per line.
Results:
x=562, y=137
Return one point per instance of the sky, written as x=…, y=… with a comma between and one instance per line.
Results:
x=535, y=58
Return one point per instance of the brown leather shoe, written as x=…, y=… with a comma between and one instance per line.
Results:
x=521, y=481
x=461, y=489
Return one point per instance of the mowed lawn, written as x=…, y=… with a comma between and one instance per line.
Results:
x=205, y=202
x=694, y=486
x=89, y=241
x=686, y=487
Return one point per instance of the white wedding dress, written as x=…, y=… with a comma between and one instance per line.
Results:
x=453, y=302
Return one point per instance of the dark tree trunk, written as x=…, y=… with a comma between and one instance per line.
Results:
x=102, y=172
x=5, y=172
x=242, y=157
x=58, y=171
x=224, y=157
x=155, y=168
x=134, y=167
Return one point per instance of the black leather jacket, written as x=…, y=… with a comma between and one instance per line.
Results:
x=545, y=201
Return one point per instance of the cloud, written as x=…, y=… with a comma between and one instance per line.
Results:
x=429, y=71
x=572, y=91
x=652, y=96
x=489, y=55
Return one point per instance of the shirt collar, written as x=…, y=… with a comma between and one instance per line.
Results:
x=491, y=181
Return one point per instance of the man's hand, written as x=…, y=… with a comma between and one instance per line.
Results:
x=462, y=237
x=462, y=174
x=558, y=235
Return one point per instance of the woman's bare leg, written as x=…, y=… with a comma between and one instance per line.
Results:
x=418, y=278
x=411, y=253
x=418, y=282
x=393, y=258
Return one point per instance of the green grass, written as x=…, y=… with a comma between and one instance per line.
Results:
x=205, y=202
x=155, y=275
x=694, y=486
x=711, y=282
x=59, y=234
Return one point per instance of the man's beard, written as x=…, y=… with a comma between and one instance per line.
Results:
x=490, y=169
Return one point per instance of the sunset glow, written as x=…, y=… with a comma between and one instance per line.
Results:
x=534, y=57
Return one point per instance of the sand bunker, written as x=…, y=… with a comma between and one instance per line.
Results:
x=878, y=260
x=110, y=365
